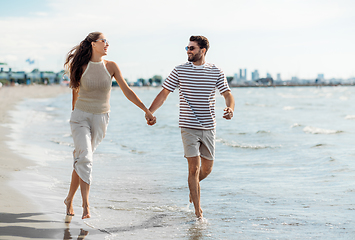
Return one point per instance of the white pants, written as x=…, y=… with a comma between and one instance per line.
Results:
x=88, y=130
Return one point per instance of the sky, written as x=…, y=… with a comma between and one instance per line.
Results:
x=296, y=38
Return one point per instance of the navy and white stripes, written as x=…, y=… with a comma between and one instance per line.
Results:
x=197, y=88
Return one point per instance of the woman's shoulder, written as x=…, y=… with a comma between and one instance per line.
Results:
x=111, y=67
x=110, y=64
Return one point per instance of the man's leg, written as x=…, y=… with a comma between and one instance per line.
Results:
x=194, y=183
x=206, y=168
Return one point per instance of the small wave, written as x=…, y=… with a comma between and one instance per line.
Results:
x=62, y=143
x=246, y=146
x=132, y=150
x=256, y=104
x=119, y=209
x=296, y=125
x=288, y=108
x=155, y=221
x=50, y=109
x=319, y=145
x=290, y=96
x=136, y=151
x=343, y=98
x=262, y=132
x=314, y=130
x=350, y=117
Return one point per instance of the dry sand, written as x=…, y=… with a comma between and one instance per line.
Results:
x=20, y=217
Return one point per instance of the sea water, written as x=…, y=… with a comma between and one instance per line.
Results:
x=284, y=167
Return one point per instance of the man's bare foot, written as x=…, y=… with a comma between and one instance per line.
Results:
x=69, y=204
x=199, y=213
x=86, y=212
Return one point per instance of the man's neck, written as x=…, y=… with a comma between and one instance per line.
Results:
x=200, y=62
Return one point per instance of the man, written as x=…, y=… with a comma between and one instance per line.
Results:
x=197, y=82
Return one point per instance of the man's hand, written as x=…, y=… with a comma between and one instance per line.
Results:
x=228, y=113
x=151, y=120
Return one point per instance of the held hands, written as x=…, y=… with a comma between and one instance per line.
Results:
x=228, y=113
x=151, y=120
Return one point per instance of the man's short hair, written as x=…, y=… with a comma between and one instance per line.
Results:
x=202, y=42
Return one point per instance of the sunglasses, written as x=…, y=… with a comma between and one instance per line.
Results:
x=103, y=40
x=191, y=48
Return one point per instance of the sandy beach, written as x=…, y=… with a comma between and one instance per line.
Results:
x=20, y=217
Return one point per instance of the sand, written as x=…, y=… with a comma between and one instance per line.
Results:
x=20, y=216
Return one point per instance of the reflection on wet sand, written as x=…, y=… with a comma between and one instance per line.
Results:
x=67, y=234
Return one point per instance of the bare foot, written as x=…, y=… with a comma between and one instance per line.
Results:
x=86, y=212
x=199, y=213
x=70, y=210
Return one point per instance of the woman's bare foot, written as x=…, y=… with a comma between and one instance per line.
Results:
x=69, y=204
x=86, y=212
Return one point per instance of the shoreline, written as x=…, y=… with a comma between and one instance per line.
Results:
x=20, y=216
x=10, y=161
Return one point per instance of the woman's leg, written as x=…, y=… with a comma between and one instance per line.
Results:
x=85, y=189
x=81, y=132
x=74, y=184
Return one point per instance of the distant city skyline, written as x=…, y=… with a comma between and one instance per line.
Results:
x=292, y=38
x=239, y=78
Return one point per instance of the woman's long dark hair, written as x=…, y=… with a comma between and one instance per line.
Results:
x=79, y=56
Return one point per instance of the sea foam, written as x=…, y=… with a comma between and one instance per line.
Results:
x=314, y=130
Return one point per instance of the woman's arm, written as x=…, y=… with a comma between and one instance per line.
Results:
x=75, y=97
x=127, y=91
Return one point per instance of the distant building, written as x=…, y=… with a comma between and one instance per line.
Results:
x=240, y=79
x=268, y=75
x=295, y=80
x=4, y=67
x=265, y=81
x=36, y=76
x=320, y=77
x=278, y=77
x=235, y=79
x=255, y=75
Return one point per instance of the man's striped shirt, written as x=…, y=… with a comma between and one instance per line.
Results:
x=197, y=88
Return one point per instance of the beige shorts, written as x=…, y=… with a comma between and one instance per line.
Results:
x=198, y=142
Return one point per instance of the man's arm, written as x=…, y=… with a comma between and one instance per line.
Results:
x=159, y=100
x=157, y=103
x=228, y=111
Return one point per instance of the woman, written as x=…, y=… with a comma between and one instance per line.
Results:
x=91, y=81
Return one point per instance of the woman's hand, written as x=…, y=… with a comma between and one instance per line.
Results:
x=151, y=120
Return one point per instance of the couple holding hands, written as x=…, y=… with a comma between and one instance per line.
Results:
x=91, y=81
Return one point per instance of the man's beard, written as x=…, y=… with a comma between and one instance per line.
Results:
x=195, y=58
